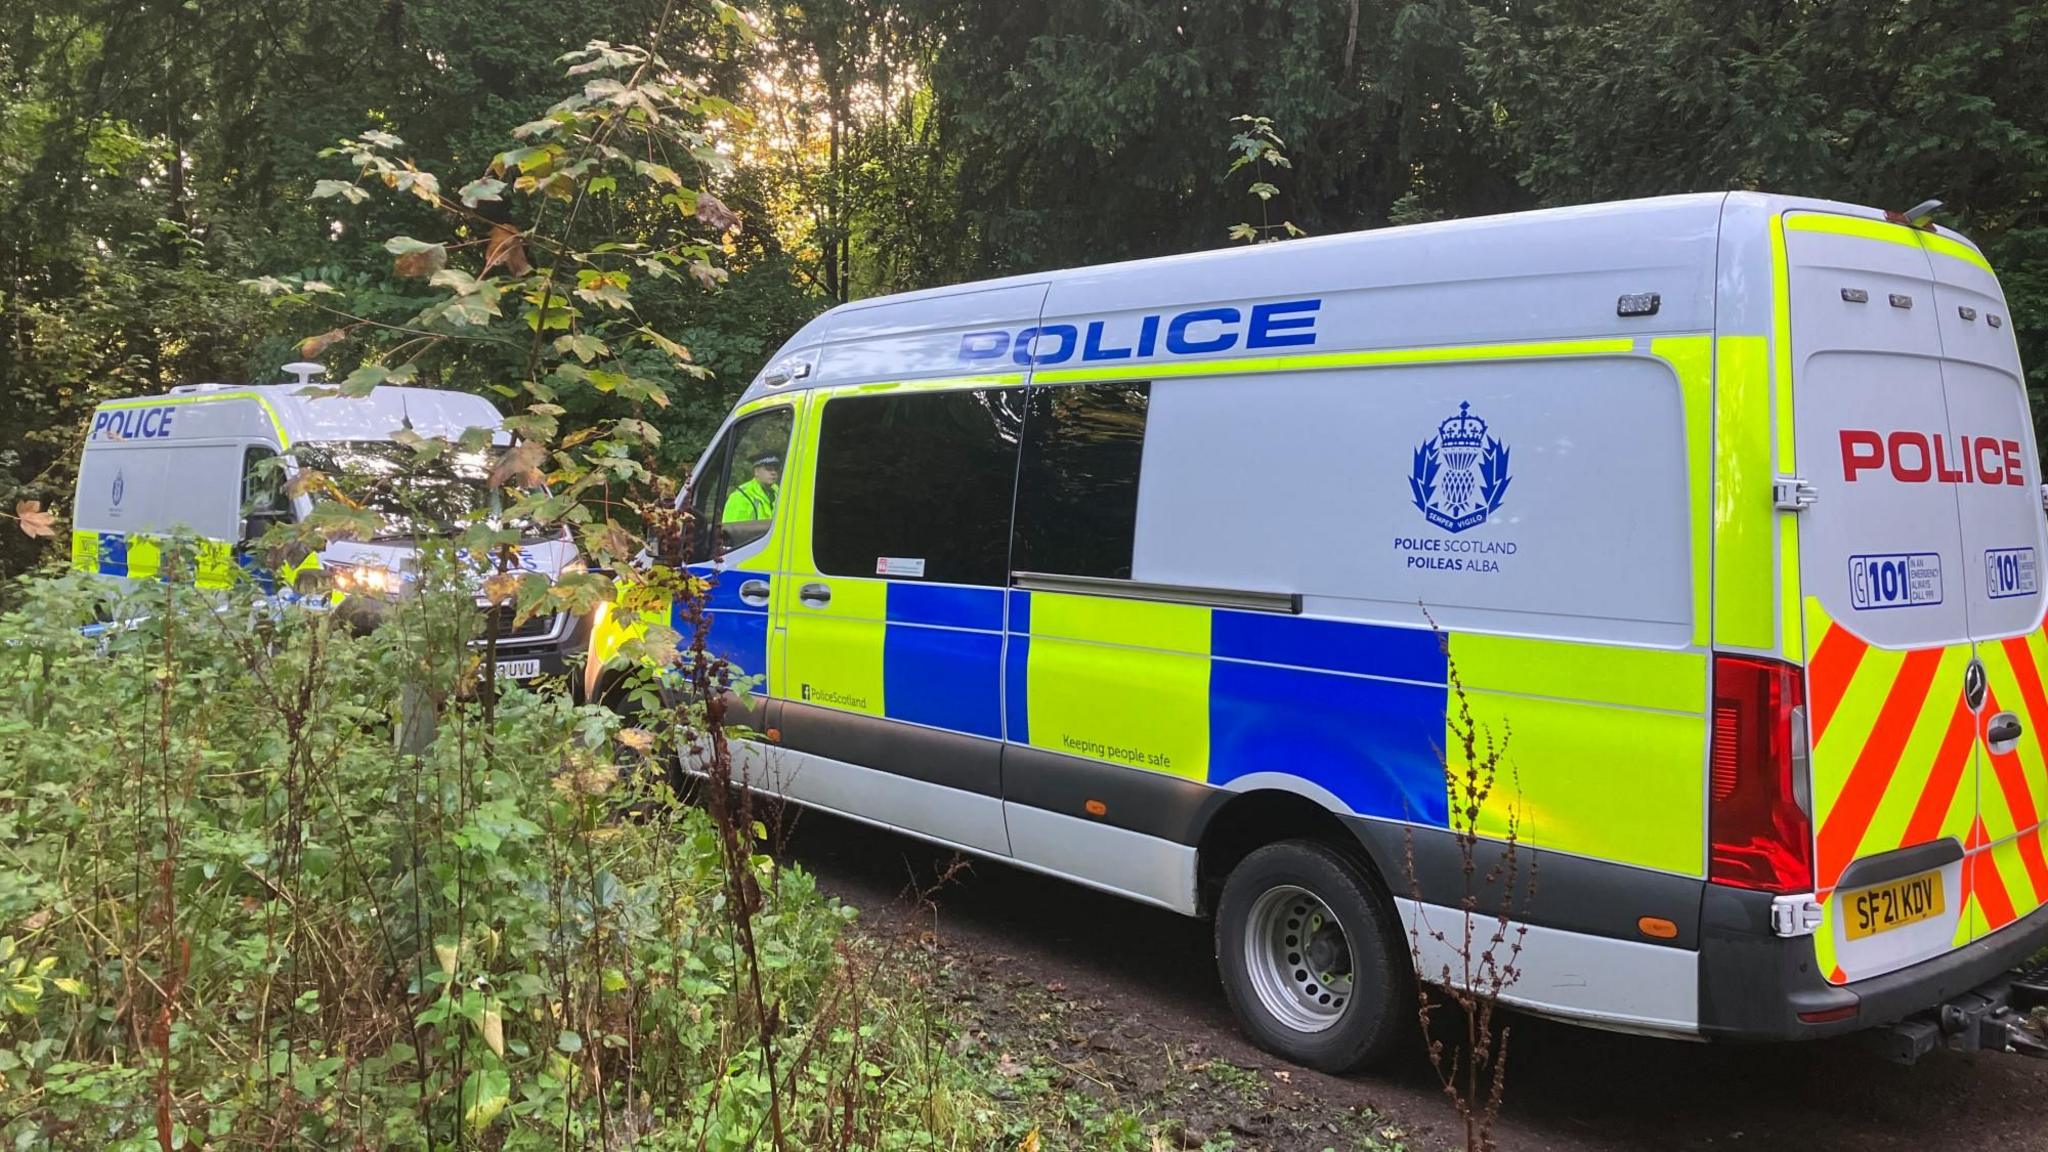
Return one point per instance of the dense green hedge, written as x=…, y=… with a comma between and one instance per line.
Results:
x=231, y=910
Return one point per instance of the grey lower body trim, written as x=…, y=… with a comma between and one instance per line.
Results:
x=1153, y=804
x=1086, y=852
x=1619, y=985
x=1128, y=863
x=933, y=755
x=933, y=811
x=1573, y=894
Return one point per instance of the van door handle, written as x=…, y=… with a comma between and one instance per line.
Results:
x=815, y=595
x=2003, y=732
x=754, y=592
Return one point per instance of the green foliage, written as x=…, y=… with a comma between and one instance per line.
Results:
x=233, y=911
x=1255, y=146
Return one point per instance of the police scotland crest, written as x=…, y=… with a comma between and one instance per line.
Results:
x=1460, y=475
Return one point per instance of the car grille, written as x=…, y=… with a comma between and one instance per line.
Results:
x=502, y=616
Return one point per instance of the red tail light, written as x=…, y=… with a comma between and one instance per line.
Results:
x=1761, y=835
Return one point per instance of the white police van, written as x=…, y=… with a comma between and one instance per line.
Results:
x=215, y=462
x=1183, y=579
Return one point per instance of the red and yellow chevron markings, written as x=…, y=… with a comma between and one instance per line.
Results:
x=1891, y=746
x=1899, y=759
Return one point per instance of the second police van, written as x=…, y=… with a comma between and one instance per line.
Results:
x=215, y=462
x=1722, y=509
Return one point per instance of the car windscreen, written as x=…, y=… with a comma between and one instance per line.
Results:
x=411, y=496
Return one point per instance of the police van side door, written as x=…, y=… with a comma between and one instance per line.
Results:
x=733, y=539
x=892, y=606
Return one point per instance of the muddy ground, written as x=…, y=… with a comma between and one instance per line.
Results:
x=1108, y=1015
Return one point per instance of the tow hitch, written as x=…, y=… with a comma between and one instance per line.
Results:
x=2009, y=1014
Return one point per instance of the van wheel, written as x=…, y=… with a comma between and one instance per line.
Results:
x=1313, y=959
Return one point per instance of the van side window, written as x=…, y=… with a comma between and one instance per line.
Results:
x=734, y=498
x=1077, y=490
x=264, y=502
x=917, y=486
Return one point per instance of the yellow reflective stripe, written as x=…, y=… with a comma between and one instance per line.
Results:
x=1692, y=359
x=796, y=504
x=1306, y=363
x=1125, y=681
x=215, y=562
x=1605, y=674
x=1791, y=638
x=276, y=424
x=1605, y=744
x=936, y=384
x=1886, y=232
x=1743, y=517
x=145, y=557
x=1943, y=246
x=1128, y=623
x=1596, y=781
x=832, y=656
x=765, y=402
x=85, y=551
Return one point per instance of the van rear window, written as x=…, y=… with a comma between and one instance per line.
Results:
x=918, y=485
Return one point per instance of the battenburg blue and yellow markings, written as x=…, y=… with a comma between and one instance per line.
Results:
x=211, y=564
x=1193, y=332
x=1355, y=708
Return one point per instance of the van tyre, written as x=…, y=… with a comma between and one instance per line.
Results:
x=1313, y=959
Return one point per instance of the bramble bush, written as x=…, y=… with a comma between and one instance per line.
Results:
x=236, y=911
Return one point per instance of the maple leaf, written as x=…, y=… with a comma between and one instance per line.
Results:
x=506, y=248
x=34, y=521
x=522, y=463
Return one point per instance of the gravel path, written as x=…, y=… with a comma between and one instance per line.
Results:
x=1122, y=1002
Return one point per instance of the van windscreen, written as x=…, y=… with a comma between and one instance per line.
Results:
x=411, y=496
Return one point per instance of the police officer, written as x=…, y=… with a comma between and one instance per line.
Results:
x=755, y=499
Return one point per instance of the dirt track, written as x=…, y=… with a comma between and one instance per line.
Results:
x=1137, y=986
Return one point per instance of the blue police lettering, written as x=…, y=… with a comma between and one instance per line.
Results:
x=1195, y=332
x=1177, y=341
x=1288, y=324
x=133, y=423
x=1093, y=349
x=1026, y=346
x=984, y=345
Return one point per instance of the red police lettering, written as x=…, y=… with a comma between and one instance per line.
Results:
x=1920, y=471
x=1988, y=470
x=1871, y=454
x=1942, y=471
x=1921, y=457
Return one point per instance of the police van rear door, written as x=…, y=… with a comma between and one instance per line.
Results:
x=1884, y=574
x=2006, y=873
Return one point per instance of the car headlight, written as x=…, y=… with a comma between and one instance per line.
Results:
x=365, y=579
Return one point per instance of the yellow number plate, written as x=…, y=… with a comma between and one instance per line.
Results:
x=1894, y=905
